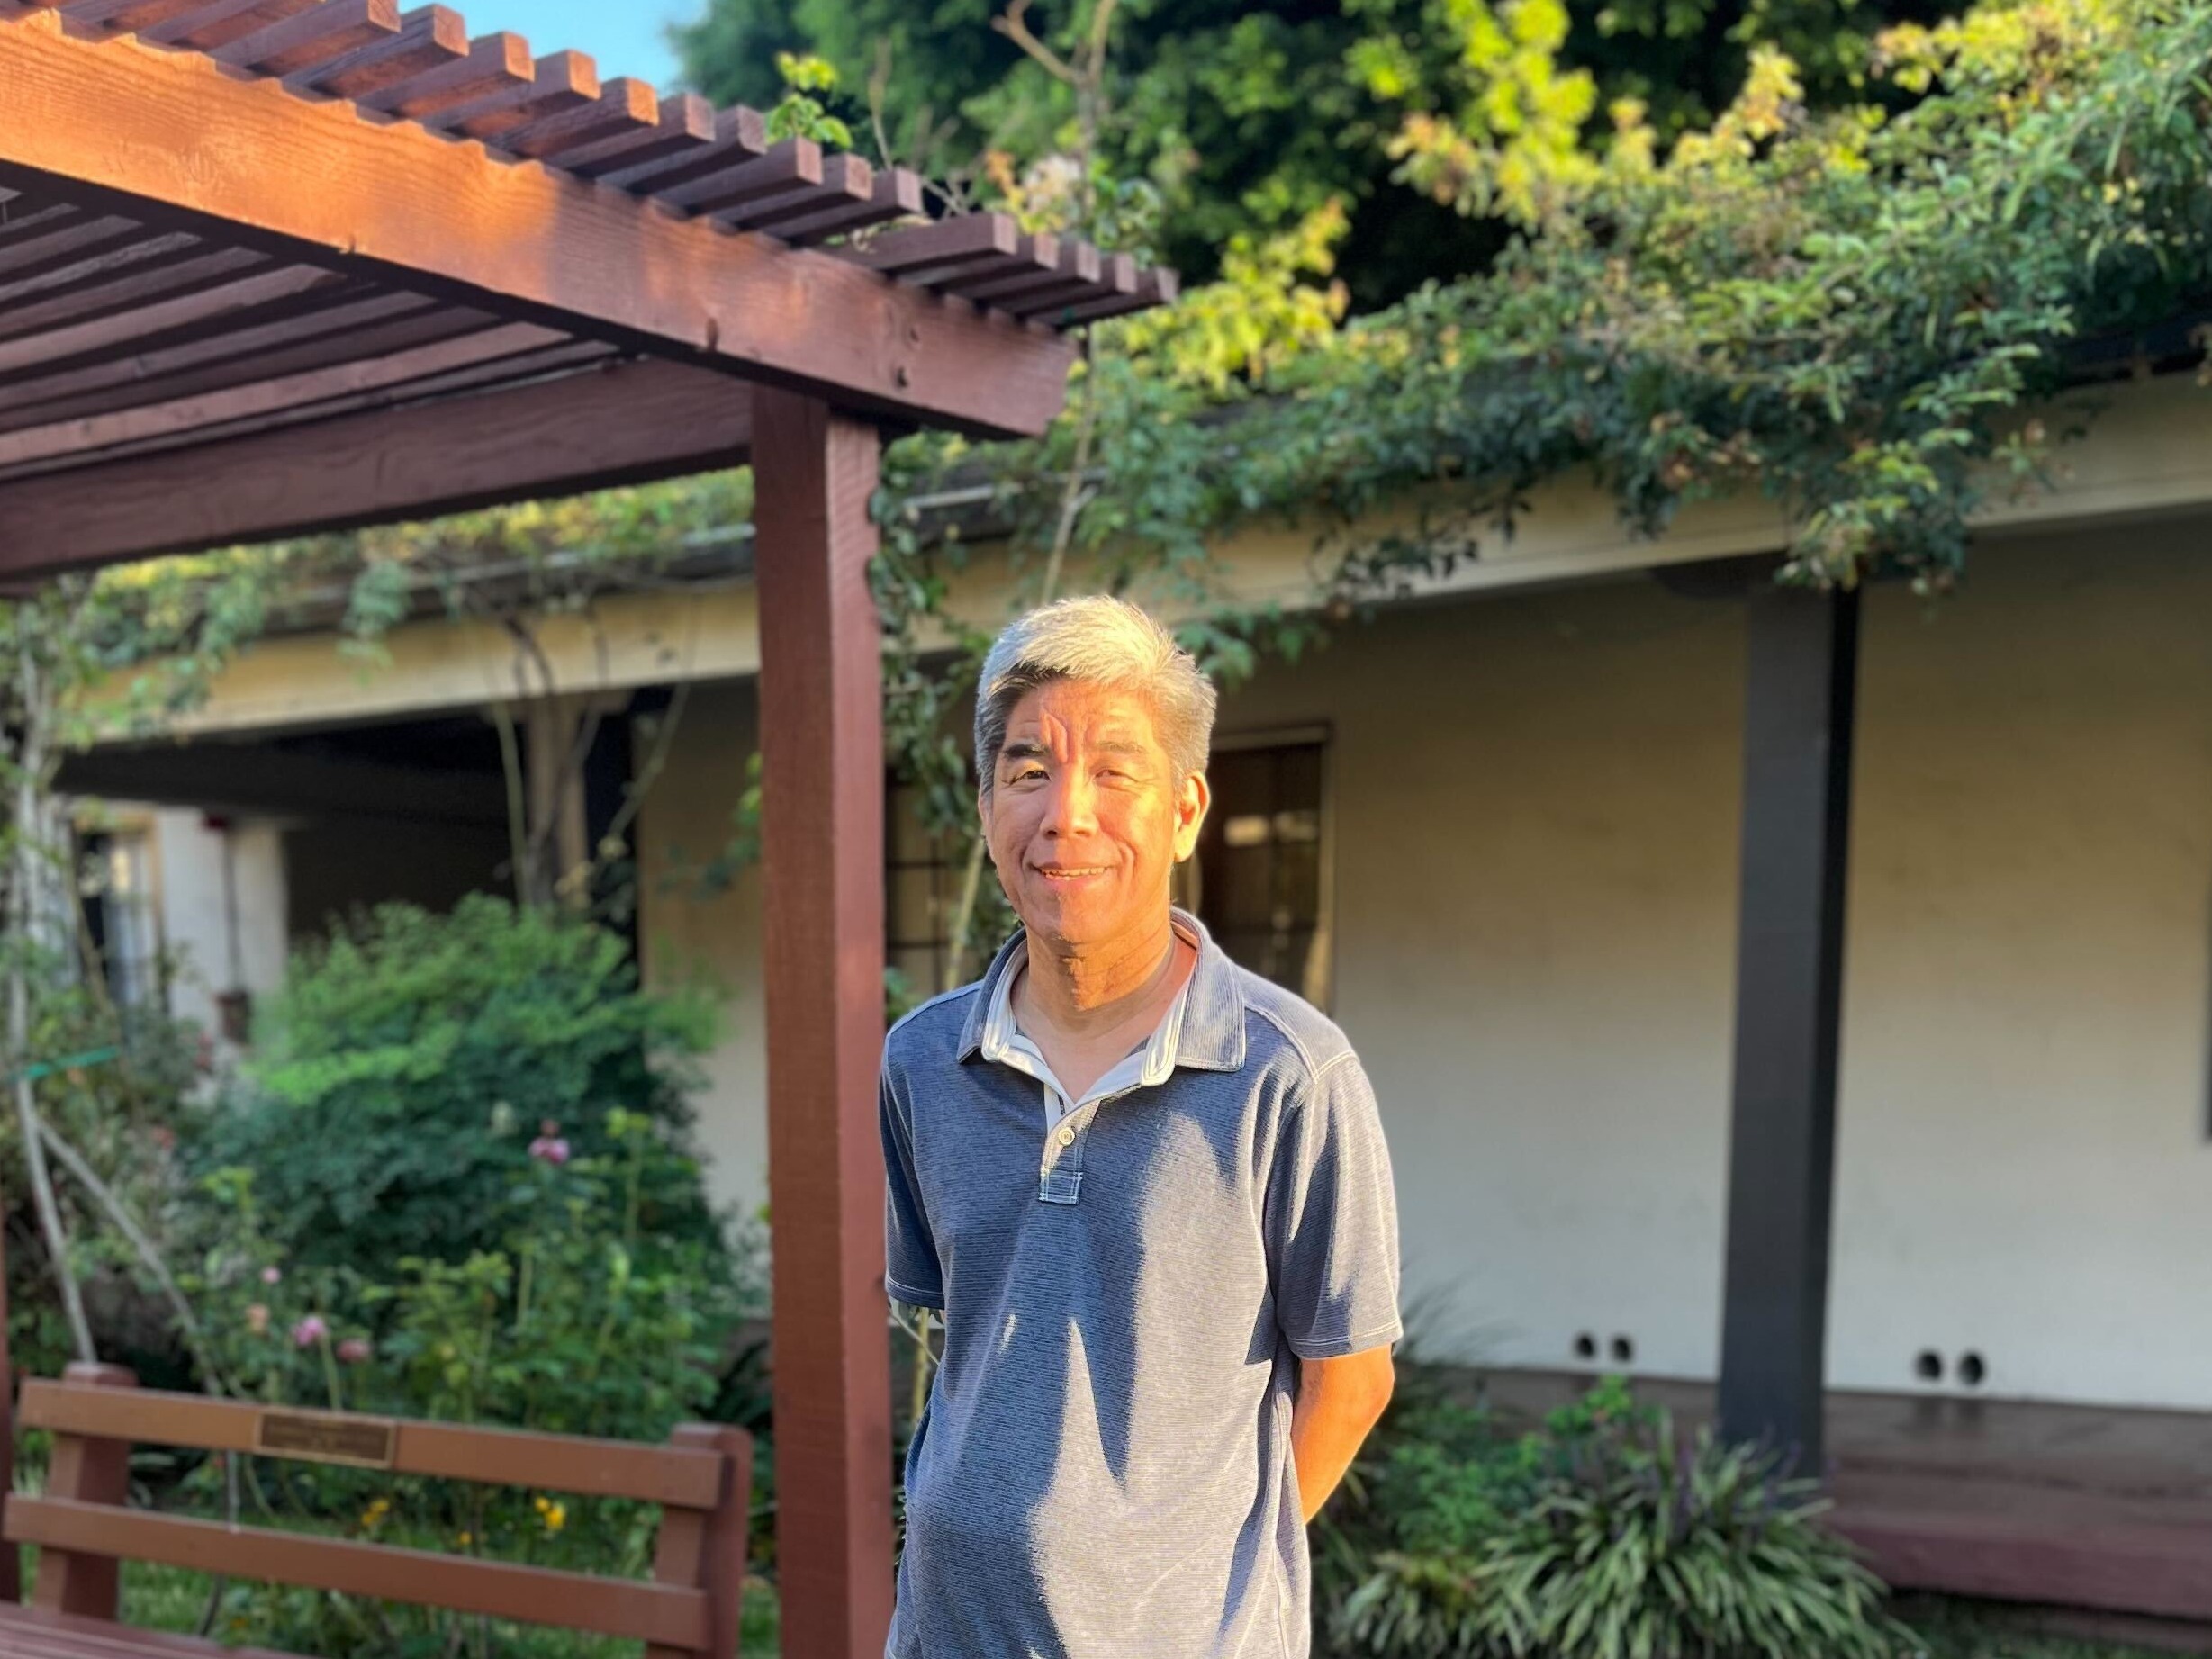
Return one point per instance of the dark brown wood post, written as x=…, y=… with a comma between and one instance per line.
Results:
x=10, y=1554
x=89, y=1471
x=1798, y=696
x=822, y=846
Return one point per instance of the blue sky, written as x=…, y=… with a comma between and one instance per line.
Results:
x=624, y=35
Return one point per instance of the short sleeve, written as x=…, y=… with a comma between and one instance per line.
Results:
x=1331, y=1219
x=911, y=1273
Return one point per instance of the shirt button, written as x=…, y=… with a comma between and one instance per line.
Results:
x=1066, y=1135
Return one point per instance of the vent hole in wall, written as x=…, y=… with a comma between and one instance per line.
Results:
x=1585, y=1347
x=1971, y=1370
x=1624, y=1351
x=1928, y=1367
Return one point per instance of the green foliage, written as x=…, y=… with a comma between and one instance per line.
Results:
x=1597, y=1537
x=580, y=1320
x=408, y=1063
x=1846, y=315
x=1246, y=120
x=118, y=1090
x=801, y=114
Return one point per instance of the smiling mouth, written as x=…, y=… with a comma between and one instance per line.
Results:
x=1057, y=873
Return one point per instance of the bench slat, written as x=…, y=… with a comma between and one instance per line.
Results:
x=654, y=1613
x=686, y=1478
x=31, y=1633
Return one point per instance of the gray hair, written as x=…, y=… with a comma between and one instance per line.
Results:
x=1100, y=640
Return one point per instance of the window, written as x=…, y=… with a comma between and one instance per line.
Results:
x=1261, y=880
x=923, y=876
x=119, y=912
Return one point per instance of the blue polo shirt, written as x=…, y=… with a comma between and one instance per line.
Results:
x=1105, y=1470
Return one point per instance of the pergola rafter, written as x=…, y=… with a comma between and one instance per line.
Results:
x=275, y=267
x=435, y=192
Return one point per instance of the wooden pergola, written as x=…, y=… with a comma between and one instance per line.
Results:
x=275, y=267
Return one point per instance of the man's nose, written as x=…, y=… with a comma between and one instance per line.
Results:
x=1071, y=808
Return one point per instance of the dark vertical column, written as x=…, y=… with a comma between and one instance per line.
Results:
x=1799, y=692
x=10, y=1554
x=822, y=846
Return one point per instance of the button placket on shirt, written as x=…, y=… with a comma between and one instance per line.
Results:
x=1061, y=1178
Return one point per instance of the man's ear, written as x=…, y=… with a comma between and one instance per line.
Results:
x=1191, y=809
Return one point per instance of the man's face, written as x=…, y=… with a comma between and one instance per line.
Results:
x=1087, y=816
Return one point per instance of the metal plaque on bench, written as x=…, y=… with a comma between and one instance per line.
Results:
x=318, y=1437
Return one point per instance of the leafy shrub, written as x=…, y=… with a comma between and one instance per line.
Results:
x=577, y=1323
x=116, y=1084
x=1598, y=1537
x=406, y=1064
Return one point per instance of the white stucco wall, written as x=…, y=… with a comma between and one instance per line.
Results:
x=1536, y=802
x=187, y=860
x=690, y=938
x=2025, y=1171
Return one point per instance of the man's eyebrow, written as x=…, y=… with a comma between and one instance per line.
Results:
x=1022, y=749
x=1125, y=745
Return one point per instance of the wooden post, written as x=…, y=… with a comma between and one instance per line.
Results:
x=822, y=844
x=86, y=1470
x=10, y=1554
x=1799, y=692
x=705, y=1549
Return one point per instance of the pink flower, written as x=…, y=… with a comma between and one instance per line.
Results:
x=272, y=1276
x=257, y=1319
x=353, y=1350
x=309, y=1331
x=549, y=1148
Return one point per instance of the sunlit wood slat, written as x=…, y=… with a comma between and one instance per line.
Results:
x=491, y=62
x=795, y=161
x=687, y=124
x=847, y=181
x=313, y=38
x=898, y=194
x=624, y=107
x=218, y=23
x=740, y=134
x=950, y=243
x=1155, y=287
x=560, y=81
x=430, y=36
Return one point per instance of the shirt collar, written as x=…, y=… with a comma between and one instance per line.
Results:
x=1208, y=1035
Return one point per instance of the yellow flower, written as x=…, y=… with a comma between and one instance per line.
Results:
x=373, y=1516
x=556, y=1516
x=465, y=1539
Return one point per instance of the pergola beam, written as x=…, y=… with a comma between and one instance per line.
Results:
x=627, y=424
x=175, y=139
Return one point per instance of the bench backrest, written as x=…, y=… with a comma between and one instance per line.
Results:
x=702, y=1480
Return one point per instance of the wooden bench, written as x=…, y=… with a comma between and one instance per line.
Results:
x=85, y=1529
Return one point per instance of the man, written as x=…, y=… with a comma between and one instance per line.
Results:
x=1148, y=1192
